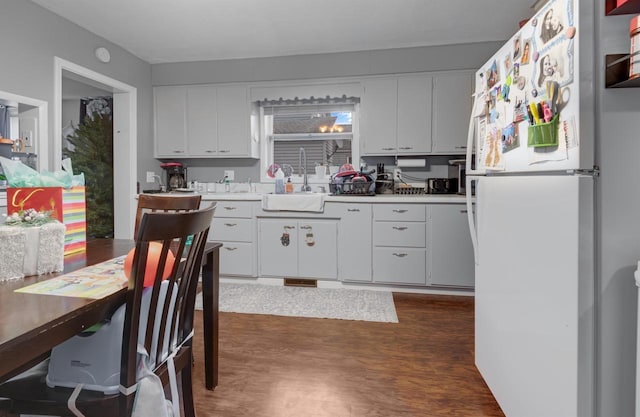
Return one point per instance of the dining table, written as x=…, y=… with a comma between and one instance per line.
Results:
x=32, y=324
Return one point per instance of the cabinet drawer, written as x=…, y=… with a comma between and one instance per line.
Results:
x=413, y=235
x=400, y=212
x=234, y=209
x=232, y=229
x=237, y=259
x=400, y=265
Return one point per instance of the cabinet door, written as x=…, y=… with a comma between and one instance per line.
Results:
x=379, y=117
x=414, y=115
x=317, y=253
x=170, y=112
x=234, y=121
x=451, y=248
x=202, y=129
x=354, y=242
x=451, y=112
x=278, y=253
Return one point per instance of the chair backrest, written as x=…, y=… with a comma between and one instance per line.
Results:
x=166, y=203
x=184, y=234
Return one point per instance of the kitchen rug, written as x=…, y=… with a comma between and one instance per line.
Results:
x=327, y=303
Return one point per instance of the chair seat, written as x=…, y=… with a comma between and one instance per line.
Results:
x=29, y=393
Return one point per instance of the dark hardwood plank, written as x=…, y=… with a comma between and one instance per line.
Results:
x=289, y=366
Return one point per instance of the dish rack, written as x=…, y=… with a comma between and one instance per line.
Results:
x=352, y=188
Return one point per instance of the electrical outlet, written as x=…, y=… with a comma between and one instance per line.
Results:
x=397, y=173
x=150, y=176
x=229, y=174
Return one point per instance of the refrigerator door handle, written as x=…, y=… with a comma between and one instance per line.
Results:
x=470, y=137
x=471, y=216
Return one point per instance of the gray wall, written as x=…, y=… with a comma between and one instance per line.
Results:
x=619, y=206
x=321, y=66
x=31, y=36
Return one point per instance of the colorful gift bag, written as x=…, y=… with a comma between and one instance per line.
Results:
x=66, y=205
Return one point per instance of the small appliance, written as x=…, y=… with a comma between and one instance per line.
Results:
x=176, y=175
x=442, y=185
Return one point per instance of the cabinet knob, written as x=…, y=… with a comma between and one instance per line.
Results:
x=399, y=211
x=400, y=255
x=400, y=228
x=231, y=224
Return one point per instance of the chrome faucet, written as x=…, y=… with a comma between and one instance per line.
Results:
x=303, y=159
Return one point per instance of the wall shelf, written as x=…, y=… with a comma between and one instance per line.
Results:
x=617, y=72
x=629, y=7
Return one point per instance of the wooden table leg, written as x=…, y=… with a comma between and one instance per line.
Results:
x=210, y=292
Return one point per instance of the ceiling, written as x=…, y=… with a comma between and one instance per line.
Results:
x=161, y=31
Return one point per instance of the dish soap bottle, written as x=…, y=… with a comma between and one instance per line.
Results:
x=288, y=188
x=227, y=185
x=279, y=182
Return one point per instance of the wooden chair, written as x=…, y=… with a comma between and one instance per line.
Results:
x=166, y=203
x=29, y=394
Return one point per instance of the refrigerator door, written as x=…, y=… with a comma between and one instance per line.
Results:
x=528, y=102
x=534, y=293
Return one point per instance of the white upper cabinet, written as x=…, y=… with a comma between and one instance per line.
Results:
x=205, y=121
x=451, y=112
x=170, y=105
x=414, y=115
x=202, y=123
x=396, y=116
x=234, y=122
x=379, y=117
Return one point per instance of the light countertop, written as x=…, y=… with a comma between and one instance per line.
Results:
x=378, y=198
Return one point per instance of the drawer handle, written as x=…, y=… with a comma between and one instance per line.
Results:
x=405, y=148
x=400, y=255
x=401, y=228
x=230, y=248
x=231, y=224
x=461, y=147
x=399, y=211
x=352, y=210
x=230, y=208
x=306, y=227
x=224, y=151
x=463, y=211
x=388, y=149
x=289, y=227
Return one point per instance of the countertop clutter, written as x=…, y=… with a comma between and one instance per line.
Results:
x=382, y=198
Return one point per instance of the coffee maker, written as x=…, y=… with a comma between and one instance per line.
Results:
x=176, y=175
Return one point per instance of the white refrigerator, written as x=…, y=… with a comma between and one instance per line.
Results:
x=530, y=162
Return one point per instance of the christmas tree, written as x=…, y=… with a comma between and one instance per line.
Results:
x=91, y=152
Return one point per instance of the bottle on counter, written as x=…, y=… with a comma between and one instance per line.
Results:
x=227, y=185
x=279, y=182
x=288, y=188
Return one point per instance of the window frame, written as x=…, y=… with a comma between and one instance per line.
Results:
x=267, y=139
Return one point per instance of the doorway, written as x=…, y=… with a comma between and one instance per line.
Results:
x=124, y=138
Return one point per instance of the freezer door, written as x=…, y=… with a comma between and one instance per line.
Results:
x=534, y=293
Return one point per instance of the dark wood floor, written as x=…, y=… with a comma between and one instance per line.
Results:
x=273, y=366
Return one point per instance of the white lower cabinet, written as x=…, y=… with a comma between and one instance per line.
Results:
x=451, y=248
x=234, y=225
x=354, y=240
x=298, y=248
x=399, y=244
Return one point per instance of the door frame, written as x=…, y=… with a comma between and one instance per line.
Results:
x=125, y=143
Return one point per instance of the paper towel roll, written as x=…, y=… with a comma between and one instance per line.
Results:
x=412, y=163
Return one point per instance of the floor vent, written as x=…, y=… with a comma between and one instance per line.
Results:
x=296, y=282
